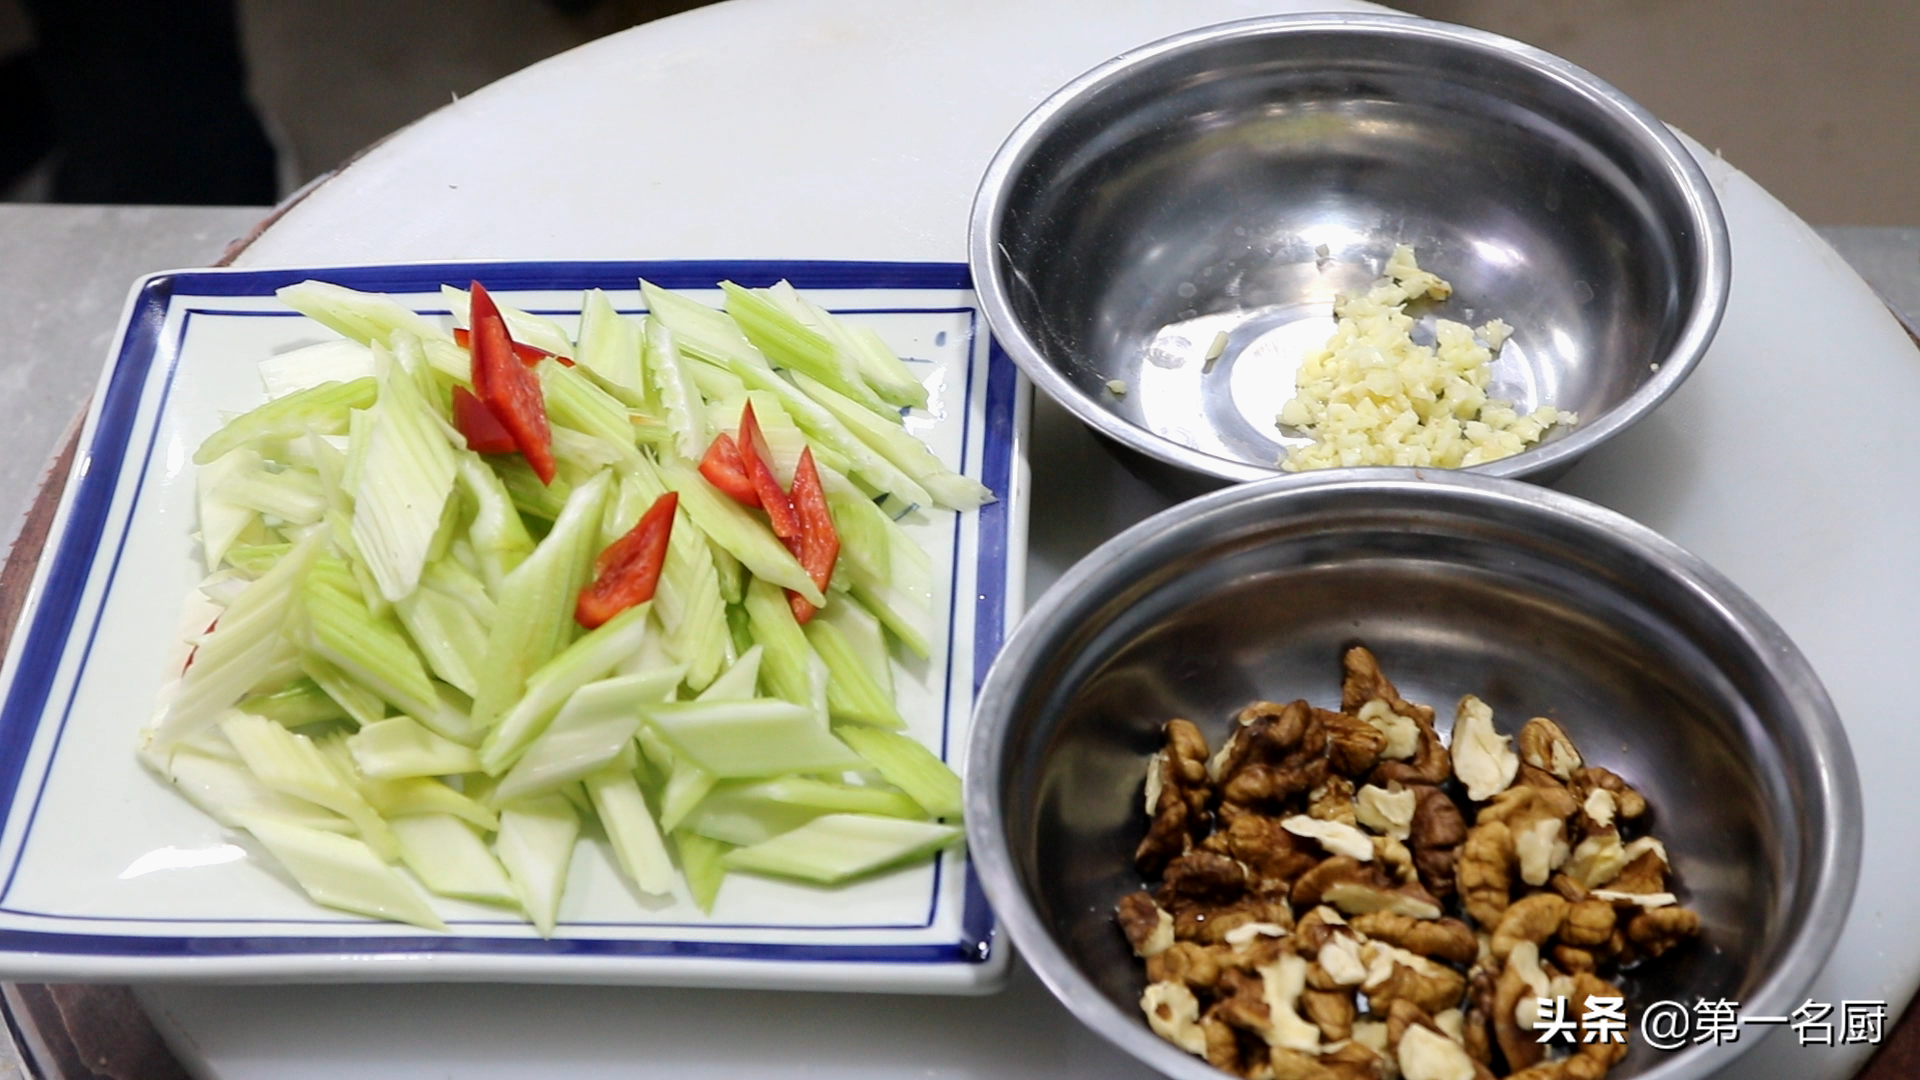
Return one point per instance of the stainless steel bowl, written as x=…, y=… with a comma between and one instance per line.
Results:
x=1237, y=177
x=1538, y=602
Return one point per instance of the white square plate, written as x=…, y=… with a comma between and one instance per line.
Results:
x=106, y=873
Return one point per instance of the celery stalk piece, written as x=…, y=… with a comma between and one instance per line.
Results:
x=864, y=636
x=451, y=719
x=535, y=844
x=897, y=445
x=312, y=365
x=909, y=766
x=221, y=520
x=454, y=577
x=292, y=765
x=738, y=682
x=365, y=317
x=247, y=642
x=402, y=747
x=299, y=703
x=739, y=627
x=416, y=795
x=688, y=597
x=372, y=651
x=763, y=737
x=228, y=793
x=253, y=560
x=597, y=722
x=530, y=496
x=342, y=872
x=499, y=537
x=534, y=621
x=405, y=480
x=786, y=440
x=852, y=692
x=733, y=528
x=610, y=346
x=793, y=345
x=879, y=365
x=843, y=798
x=687, y=784
x=323, y=408
x=448, y=635
x=891, y=575
x=817, y=692
x=292, y=496
x=838, y=847
x=580, y=454
x=700, y=330
x=654, y=749
x=785, y=663
x=750, y=812
x=523, y=326
x=573, y=401
x=549, y=687
x=361, y=705
x=449, y=858
x=631, y=830
x=721, y=388
x=679, y=397
x=700, y=861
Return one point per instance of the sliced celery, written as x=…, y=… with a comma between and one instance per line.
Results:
x=292, y=765
x=530, y=495
x=452, y=719
x=750, y=812
x=573, y=401
x=221, y=519
x=535, y=843
x=365, y=317
x=793, y=345
x=228, y=793
x=451, y=639
x=323, y=408
x=292, y=496
x=784, y=664
x=763, y=737
x=342, y=872
x=631, y=830
x=245, y=644
x=688, y=599
x=297, y=704
x=523, y=327
x=449, y=858
x=786, y=441
x=404, y=483
x=701, y=330
x=864, y=636
x=883, y=370
x=897, y=445
x=838, y=847
x=852, y=692
x=402, y=747
x=679, y=397
x=610, y=346
x=686, y=785
x=733, y=528
x=254, y=560
x=908, y=766
x=738, y=682
x=372, y=651
x=578, y=454
x=700, y=860
x=586, y=660
x=499, y=538
x=359, y=703
x=418, y=795
x=311, y=365
x=536, y=601
x=597, y=722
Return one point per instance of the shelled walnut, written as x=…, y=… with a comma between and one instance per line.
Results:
x=1342, y=895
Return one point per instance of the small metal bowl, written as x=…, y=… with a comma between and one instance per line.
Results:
x=1235, y=178
x=1539, y=603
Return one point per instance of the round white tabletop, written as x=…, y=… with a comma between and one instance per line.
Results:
x=857, y=129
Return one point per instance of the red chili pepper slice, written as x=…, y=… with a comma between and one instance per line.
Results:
x=627, y=572
x=528, y=354
x=758, y=462
x=725, y=469
x=482, y=429
x=507, y=388
x=819, y=541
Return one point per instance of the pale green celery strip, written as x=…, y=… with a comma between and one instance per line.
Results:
x=536, y=602
x=291, y=764
x=523, y=326
x=452, y=526
x=365, y=317
x=359, y=703
x=688, y=597
x=733, y=527
x=323, y=408
x=883, y=369
x=401, y=747
x=743, y=812
x=739, y=627
x=578, y=454
x=793, y=345
x=702, y=331
x=739, y=681
x=372, y=651
x=901, y=448
x=679, y=397
x=300, y=703
x=342, y=872
x=787, y=441
x=221, y=519
x=451, y=720
x=700, y=860
x=597, y=722
x=864, y=535
x=852, y=693
x=458, y=576
x=449, y=360
x=447, y=634
x=529, y=495
x=722, y=390
x=654, y=749
x=499, y=537
x=631, y=829
x=450, y=859
x=424, y=795
x=843, y=798
x=573, y=401
x=313, y=365
x=864, y=636
x=609, y=344
x=405, y=480
x=901, y=612
x=840, y=847
x=248, y=641
x=549, y=686
x=535, y=844
x=784, y=665
x=359, y=436
x=909, y=766
x=292, y=495
x=227, y=792
x=254, y=560
x=762, y=737
x=687, y=784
